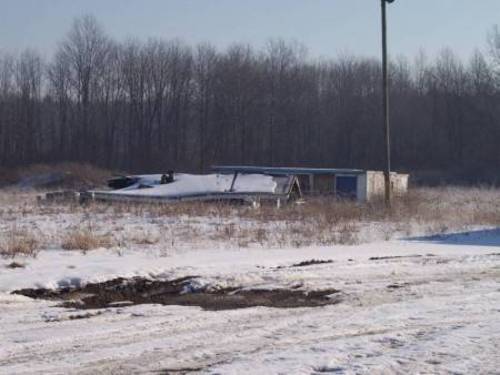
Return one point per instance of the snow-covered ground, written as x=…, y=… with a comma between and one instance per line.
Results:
x=413, y=304
x=427, y=307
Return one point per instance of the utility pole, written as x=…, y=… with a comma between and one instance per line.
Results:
x=385, y=104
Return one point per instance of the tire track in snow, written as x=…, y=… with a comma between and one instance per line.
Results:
x=169, y=337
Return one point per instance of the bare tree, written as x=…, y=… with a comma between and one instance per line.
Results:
x=85, y=48
x=28, y=82
x=160, y=104
x=6, y=98
x=205, y=61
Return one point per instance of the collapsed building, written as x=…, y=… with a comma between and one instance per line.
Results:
x=250, y=184
x=240, y=187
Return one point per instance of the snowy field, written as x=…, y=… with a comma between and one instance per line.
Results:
x=409, y=302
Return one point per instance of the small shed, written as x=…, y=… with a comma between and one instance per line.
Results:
x=356, y=184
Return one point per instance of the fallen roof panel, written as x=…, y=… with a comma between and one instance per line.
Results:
x=199, y=187
x=283, y=170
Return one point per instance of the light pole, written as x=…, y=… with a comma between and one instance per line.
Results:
x=385, y=104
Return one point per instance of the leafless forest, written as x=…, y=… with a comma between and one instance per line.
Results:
x=162, y=104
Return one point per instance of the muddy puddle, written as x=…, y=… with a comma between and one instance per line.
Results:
x=307, y=263
x=135, y=291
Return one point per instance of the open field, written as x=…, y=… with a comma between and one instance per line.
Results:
x=411, y=289
x=260, y=187
x=170, y=227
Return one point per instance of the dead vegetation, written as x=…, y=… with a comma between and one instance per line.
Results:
x=85, y=240
x=18, y=242
x=319, y=221
x=143, y=238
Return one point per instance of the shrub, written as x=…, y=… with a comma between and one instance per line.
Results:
x=19, y=242
x=85, y=239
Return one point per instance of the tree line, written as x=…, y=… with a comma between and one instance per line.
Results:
x=162, y=104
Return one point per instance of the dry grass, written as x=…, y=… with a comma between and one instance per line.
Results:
x=143, y=238
x=319, y=221
x=85, y=240
x=18, y=242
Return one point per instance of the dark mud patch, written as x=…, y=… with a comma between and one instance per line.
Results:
x=311, y=262
x=307, y=263
x=328, y=369
x=183, y=292
x=87, y=315
x=397, y=286
x=84, y=316
x=180, y=371
x=395, y=257
x=13, y=265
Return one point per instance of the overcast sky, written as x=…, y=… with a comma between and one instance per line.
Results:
x=326, y=27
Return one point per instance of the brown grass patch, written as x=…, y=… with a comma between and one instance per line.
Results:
x=85, y=240
x=319, y=221
x=323, y=220
x=144, y=238
x=18, y=242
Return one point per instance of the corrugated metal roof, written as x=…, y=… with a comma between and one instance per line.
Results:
x=283, y=170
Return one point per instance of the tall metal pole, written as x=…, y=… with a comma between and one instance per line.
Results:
x=385, y=95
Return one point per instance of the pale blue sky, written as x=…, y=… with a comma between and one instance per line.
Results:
x=326, y=27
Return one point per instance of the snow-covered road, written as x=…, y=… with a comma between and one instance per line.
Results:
x=407, y=307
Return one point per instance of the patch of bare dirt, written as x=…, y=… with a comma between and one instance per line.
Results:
x=312, y=262
x=15, y=265
x=307, y=263
x=137, y=291
x=395, y=257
